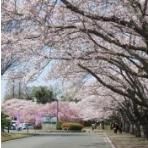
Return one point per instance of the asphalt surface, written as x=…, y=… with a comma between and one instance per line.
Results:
x=65, y=140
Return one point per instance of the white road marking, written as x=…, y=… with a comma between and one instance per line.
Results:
x=108, y=140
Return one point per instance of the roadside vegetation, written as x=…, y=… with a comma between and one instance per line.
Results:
x=12, y=136
x=5, y=122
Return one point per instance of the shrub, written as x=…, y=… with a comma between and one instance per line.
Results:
x=72, y=126
x=5, y=122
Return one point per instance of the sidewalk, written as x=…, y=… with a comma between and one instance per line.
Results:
x=125, y=140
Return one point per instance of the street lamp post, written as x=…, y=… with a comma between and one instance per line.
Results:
x=57, y=112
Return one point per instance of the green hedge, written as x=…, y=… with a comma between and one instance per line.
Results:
x=72, y=126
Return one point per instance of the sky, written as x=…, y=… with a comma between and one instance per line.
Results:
x=42, y=80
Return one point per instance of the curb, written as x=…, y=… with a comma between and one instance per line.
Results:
x=16, y=138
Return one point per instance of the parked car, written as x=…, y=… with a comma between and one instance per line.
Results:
x=23, y=126
x=13, y=125
x=30, y=126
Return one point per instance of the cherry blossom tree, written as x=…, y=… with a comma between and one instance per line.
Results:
x=107, y=39
x=28, y=111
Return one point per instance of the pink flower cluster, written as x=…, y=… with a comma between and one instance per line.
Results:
x=28, y=111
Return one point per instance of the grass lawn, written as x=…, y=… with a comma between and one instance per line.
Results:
x=125, y=140
x=11, y=136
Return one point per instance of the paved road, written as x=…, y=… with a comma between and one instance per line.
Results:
x=67, y=140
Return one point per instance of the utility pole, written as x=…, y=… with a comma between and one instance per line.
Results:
x=13, y=87
x=57, y=113
x=19, y=91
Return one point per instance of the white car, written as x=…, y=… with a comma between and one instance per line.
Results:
x=23, y=126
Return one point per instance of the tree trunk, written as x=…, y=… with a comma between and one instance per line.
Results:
x=123, y=126
x=138, y=130
x=127, y=127
x=8, y=129
x=2, y=129
x=145, y=130
x=132, y=130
